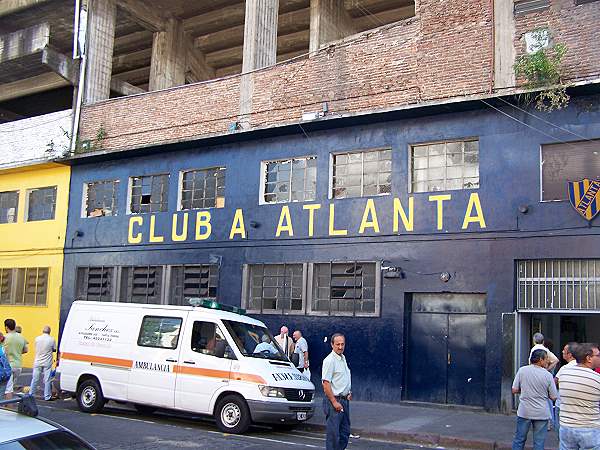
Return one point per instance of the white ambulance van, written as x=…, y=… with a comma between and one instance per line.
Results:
x=201, y=359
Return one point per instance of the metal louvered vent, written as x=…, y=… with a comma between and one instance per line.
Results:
x=529, y=6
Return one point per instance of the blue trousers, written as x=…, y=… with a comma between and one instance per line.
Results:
x=540, y=429
x=579, y=438
x=337, y=424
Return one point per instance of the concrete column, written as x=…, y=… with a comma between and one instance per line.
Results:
x=504, y=48
x=329, y=21
x=102, y=15
x=260, y=34
x=168, y=62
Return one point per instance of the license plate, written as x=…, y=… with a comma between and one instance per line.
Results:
x=301, y=416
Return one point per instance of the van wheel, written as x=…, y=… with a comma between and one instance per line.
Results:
x=144, y=409
x=232, y=415
x=89, y=396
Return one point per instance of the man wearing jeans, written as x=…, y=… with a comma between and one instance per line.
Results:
x=45, y=346
x=536, y=386
x=580, y=394
x=336, y=405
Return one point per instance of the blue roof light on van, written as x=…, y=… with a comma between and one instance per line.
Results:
x=211, y=304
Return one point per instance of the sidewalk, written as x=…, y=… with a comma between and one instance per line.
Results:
x=453, y=428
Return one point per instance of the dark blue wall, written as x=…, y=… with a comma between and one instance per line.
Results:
x=480, y=261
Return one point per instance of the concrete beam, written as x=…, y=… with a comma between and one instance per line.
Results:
x=9, y=116
x=24, y=42
x=196, y=67
x=33, y=85
x=62, y=65
x=168, y=62
x=130, y=61
x=329, y=21
x=12, y=6
x=260, y=34
x=144, y=15
x=133, y=42
x=216, y=20
x=124, y=88
x=504, y=48
x=136, y=76
x=102, y=17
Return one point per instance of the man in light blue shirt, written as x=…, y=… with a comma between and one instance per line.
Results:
x=337, y=382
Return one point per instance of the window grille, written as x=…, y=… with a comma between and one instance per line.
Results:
x=276, y=288
x=203, y=188
x=24, y=286
x=141, y=284
x=290, y=180
x=529, y=6
x=95, y=283
x=6, y=286
x=445, y=166
x=9, y=205
x=362, y=174
x=41, y=204
x=193, y=281
x=101, y=198
x=149, y=194
x=563, y=284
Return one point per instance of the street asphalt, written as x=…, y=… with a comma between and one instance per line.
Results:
x=121, y=427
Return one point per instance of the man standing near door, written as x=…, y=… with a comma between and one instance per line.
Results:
x=538, y=344
x=535, y=385
x=285, y=341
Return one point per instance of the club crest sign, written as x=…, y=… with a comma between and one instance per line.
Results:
x=584, y=196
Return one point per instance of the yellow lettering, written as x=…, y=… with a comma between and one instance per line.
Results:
x=440, y=199
x=203, y=221
x=332, y=230
x=137, y=238
x=311, y=217
x=183, y=236
x=237, y=227
x=478, y=218
x=153, y=237
x=369, y=212
x=284, y=217
x=407, y=221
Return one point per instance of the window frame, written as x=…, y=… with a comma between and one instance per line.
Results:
x=463, y=140
x=28, y=193
x=113, y=283
x=16, y=216
x=17, y=291
x=130, y=193
x=332, y=155
x=123, y=280
x=169, y=284
x=160, y=317
x=85, y=198
x=263, y=179
x=180, y=188
x=218, y=330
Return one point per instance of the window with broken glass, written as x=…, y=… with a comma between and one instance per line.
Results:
x=276, y=288
x=9, y=205
x=289, y=180
x=193, y=281
x=348, y=288
x=149, y=194
x=141, y=284
x=101, y=198
x=362, y=174
x=95, y=283
x=41, y=204
x=445, y=166
x=203, y=188
x=24, y=286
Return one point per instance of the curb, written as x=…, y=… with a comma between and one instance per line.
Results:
x=425, y=439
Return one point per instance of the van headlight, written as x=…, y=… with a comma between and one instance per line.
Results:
x=269, y=391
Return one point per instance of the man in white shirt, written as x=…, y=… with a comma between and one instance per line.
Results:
x=45, y=346
x=567, y=354
x=538, y=341
x=302, y=350
x=285, y=341
x=337, y=382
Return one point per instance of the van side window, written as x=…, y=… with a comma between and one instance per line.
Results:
x=160, y=332
x=208, y=339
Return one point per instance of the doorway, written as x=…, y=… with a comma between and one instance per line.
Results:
x=445, y=351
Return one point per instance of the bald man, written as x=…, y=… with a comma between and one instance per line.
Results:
x=45, y=346
x=285, y=341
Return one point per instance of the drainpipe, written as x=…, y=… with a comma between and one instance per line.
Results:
x=79, y=52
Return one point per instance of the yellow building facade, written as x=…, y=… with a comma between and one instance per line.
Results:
x=33, y=222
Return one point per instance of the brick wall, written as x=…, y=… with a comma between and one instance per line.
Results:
x=445, y=51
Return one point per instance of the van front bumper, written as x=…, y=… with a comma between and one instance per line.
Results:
x=280, y=412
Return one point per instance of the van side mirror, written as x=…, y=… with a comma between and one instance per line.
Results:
x=220, y=349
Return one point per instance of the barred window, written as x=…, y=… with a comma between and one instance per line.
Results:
x=101, y=198
x=24, y=286
x=203, y=188
x=289, y=180
x=9, y=205
x=141, y=284
x=193, y=281
x=159, y=332
x=276, y=288
x=345, y=289
x=41, y=203
x=362, y=174
x=95, y=283
x=149, y=194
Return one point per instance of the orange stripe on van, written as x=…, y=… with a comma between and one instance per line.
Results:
x=212, y=373
x=98, y=359
x=247, y=377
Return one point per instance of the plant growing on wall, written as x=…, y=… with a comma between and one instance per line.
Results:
x=541, y=69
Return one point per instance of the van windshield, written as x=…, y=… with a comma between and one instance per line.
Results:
x=254, y=341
